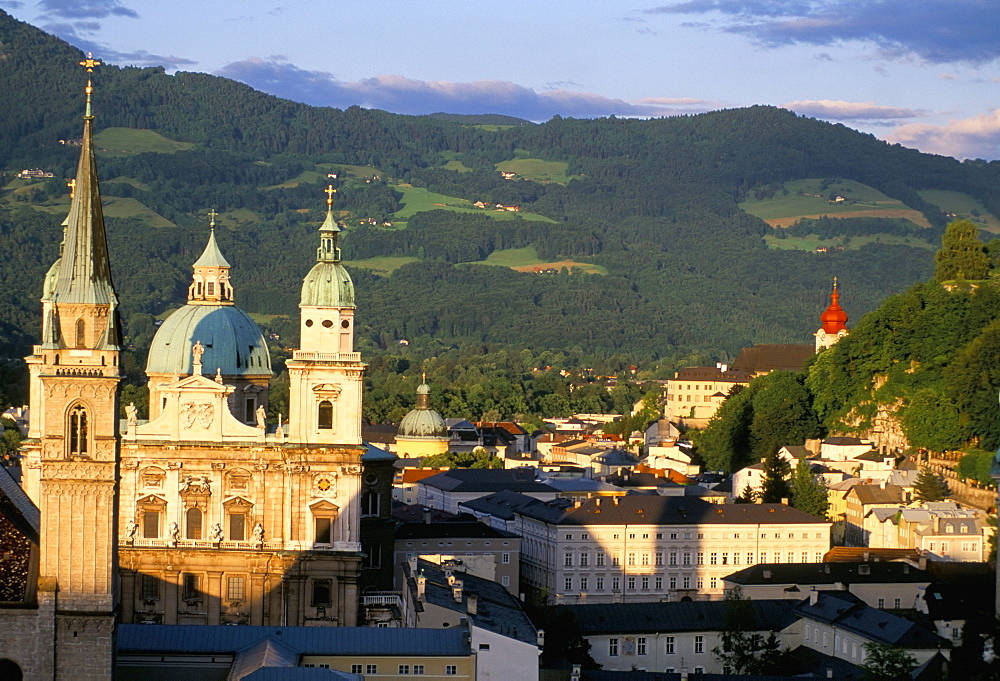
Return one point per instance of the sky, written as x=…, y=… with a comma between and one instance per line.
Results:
x=921, y=73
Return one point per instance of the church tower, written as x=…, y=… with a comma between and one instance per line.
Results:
x=325, y=373
x=834, y=320
x=72, y=448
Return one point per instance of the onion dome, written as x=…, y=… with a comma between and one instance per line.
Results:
x=233, y=343
x=422, y=421
x=328, y=284
x=834, y=318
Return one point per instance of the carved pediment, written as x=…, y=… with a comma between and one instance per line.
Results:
x=327, y=391
x=238, y=505
x=324, y=506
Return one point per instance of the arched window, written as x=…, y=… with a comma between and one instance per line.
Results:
x=78, y=431
x=81, y=333
x=325, y=415
x=10, y=670
x=193, y=523
x=369, y=503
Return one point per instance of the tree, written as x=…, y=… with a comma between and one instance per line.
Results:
x=930, y=486
x=743, y=649
x=773, y=484
x=962, y=254
x=809, y=492
x=887, y=663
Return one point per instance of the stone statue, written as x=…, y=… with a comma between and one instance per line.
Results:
x=174, y=532
x=258, y=533
x=188, y=482
x=131, y=415
x=216, y=532
x=261, y=416
x=131, y=529
x=197, y=350
x=206, y=484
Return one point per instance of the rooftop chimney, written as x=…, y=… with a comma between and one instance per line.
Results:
x=472, y=604
x=813, y=597
x=456, y=590
x=421, y=588
x=784, y=501
x=427, y=516
x=540, y=639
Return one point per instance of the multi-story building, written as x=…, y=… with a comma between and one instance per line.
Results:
x=649, y=547
x=694, y=394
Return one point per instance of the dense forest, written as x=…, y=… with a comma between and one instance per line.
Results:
x=927, y=358
x=653, y=203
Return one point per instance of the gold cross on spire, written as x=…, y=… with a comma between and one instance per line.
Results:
x=330, y=191
x=72, y=187
x=212, y=214
x=89, y=63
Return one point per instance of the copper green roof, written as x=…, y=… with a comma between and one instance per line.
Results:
x=212, y=256
x=328, y=284
x=233, y=343
x=423, y=422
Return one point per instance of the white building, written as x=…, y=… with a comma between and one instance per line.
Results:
x=649, y=547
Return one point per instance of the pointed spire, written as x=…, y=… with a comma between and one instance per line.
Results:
x=834, y=318
x=328, y=250
x=212, y=256
x=85, y=271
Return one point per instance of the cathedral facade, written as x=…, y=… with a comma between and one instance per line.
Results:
x=205, y=513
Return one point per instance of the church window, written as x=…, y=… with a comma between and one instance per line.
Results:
x=151, y=525
x=309, y=323
x=325, y=415
x=369, y=503
x=321, y=590
x=193, y=523
x=191, y=587
x=250, y=415
x=149, y=588
x=373, y=556
x=81, y=333
x=78, y=431
x=324, y=527
x=345, y=324
x=235, y=589
x=237, y=527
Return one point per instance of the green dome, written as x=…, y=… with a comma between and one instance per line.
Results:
x=327, y=285
x=233, y=342
x=423, y=423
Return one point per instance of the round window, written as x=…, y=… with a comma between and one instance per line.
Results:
x=309, y=323
x=371, y=479
x=345, y=324
x=327, y=323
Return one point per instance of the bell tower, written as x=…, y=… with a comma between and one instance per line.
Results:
x=325, y=373
x=834, y=320
x=72, y=451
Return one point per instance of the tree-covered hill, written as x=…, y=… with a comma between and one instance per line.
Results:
x=654, y=202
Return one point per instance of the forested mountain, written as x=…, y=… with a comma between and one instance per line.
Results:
x=654, y=204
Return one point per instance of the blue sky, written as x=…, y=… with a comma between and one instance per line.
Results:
x=923, y=73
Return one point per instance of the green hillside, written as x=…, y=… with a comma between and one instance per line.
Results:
x=654, y=204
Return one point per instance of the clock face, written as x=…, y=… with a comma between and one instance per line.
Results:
x=323, y=484
x=371, y=479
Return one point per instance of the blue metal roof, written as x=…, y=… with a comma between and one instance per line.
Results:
x=233, y=342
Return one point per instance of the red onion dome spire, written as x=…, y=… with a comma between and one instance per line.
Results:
x=834, y=318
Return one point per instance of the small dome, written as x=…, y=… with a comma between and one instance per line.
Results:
x=327, y=285
x=233, y=342
x=425, y=423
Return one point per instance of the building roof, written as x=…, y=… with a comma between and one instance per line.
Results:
x=711, y=374
x=805, y=574
x=853, y=554
x=232, y=341
x=207, y=639
x=373, y=453
x=659, y=510
x=422, y=422
x=877, y=494
x=470, y=529
x=842, y=441
x=843, y=610
x=328, y=284
x=496, y=609
x=17, y=507
x=487, y=480
x=764, y=358
x=211, y=256
x=506, y=504
x=300, y=674
x=678, y=616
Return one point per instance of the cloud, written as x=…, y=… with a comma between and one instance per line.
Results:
x=12, y=4
x=839, y=110
x=416, y=97
x=938, y=31
x=977, y=137
x=86, y=9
